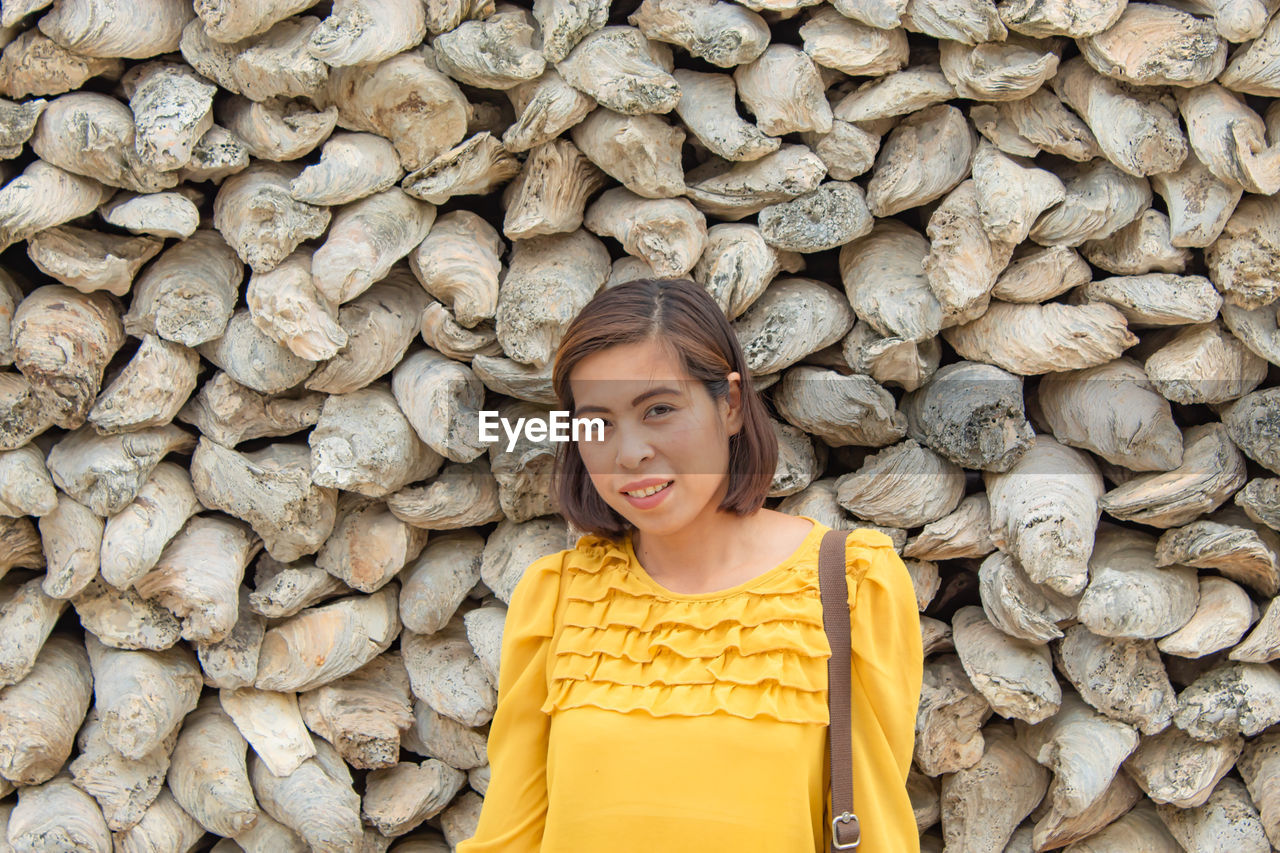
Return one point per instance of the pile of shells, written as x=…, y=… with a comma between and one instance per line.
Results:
x=1007, y=273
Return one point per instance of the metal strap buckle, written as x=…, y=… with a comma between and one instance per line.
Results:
x=845, y=818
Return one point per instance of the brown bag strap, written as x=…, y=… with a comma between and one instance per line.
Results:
x=833, y=586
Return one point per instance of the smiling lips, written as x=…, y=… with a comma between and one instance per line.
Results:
x=643, y=488
x=647, y=493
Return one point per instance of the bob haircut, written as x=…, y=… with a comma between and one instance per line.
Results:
x=682, y=317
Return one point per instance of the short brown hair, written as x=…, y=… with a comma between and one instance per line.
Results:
x=682, y=317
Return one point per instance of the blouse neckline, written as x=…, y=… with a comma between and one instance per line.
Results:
x=810, y=542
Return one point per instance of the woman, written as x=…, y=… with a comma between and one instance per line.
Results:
x=663, y=683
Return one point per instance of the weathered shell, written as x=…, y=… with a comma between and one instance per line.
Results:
x=623, y=71
x=1039, y=121
x=793, y=318
x=277, y=63
x=260, y=220
x=1084, y=749
x=548, y=280
x=707, y=107
x=1204, y=363
x=905, y=485
x=1101, y=199
x=113, y=159
x=365, y=239
x=1155, y=45
x=1129, y=594
x=405, y=99
x=545, y=108
x=641, y=151
x=189, y=293
x=1074, y=18
x=738, y=264
x=475, y=166
x=1141, y=246
x=972, y=414
x=669, y=234
x=458, y=263
x=1198, y=202
x=964, y=261
x=1124, y=679
x=167, y=214
x=884, y=278
x=924, y=157
x=1211, y=470
x=907, y=91
x=62, y=341
x=564, y=23
x=1010, y=194
x=352, y=166
x=495, y=53
x=1255, y=68
x=359, y=32
x=107, y=28
x=1041, y=508
x=380, y=324
x=736, y=190
x=1114, y=411
x=1037, y=274
x=232, y=20
x=724, y=34
x=287, y=306
x=279, y=128
x=1242, y=261
x=1230, y=138
x=215, y=155
x=1136, y=127
x=783, y=90
x=829, y=216
x=959, y=20
x=1028, y=339
x=998, y=71
x=1015, y=676
x=1018, y=606
x=44, y=196
x=172, y=108
x=91, y=260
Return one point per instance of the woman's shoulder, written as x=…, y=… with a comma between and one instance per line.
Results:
x=864, y=544
x=546, y=576
x=864, y=547
x=872, y=564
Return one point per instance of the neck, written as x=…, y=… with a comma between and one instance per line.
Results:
x=698, y=553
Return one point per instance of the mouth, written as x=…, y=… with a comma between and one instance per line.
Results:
x=649, y=491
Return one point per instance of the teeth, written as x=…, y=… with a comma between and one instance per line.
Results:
x=652, y=490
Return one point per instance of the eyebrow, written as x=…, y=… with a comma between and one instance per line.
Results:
x=652, y=392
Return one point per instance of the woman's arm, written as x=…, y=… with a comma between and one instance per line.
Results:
x=515, y=805
x=888, y=652
x=888, y=669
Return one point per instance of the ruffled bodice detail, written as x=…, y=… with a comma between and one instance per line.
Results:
x=758, y=649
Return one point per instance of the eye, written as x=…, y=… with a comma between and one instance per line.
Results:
x=662, y=406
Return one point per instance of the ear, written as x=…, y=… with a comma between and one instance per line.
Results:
x=734, y=416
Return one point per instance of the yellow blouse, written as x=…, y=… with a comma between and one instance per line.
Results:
x=634, y=719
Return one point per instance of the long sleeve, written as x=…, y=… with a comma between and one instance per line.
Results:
x=888, y=670
x=515, y=805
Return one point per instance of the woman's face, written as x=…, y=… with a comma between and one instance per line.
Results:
x=660, y=426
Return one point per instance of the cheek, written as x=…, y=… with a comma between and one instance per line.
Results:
x=593, y=456
x=701, y=450
x=597, y=470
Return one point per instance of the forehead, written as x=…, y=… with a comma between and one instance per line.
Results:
x=622, y=371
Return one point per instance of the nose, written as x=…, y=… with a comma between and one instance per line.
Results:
x=634, y=448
